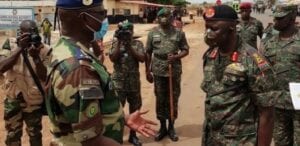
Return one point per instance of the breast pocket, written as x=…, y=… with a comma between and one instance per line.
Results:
x=156, y=41
x=208, y=76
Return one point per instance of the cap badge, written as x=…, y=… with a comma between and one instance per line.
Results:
x=87, y=2
x=210, y=13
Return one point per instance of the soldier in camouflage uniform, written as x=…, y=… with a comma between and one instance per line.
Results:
x=126, y=54
x=168, y=46
x=249, y=27
x=81, y=103
x=283, y=51
x=268, y=33
x=236, y=81
x=23, y=98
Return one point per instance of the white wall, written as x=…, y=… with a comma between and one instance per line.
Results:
x=26, y=3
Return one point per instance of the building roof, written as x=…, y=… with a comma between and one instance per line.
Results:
x=27, y=3
x=145, y=3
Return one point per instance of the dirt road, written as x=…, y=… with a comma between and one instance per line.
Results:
x=189, y=123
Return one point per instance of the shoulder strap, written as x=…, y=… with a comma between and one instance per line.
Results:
x=36, y=81
x=261, y=62
x=33, y=74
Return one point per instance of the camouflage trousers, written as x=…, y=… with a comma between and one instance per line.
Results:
x=286, y=127
x=161, y=89
x=114, y=130
x=15, y=113
x=133, y=98
x=222, y=138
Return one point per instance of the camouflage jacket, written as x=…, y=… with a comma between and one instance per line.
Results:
x=79, y=94
x=19, y=80
x=234, y=89
x=126, y=75
x=250, y=30
x=268, y=33
x=162, y=44
x=284, y=55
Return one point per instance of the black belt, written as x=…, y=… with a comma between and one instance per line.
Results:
x=67, y=129
x=162, y=56
x=60, y=134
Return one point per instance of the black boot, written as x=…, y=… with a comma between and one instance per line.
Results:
x=162, y=131
x=134, y=139
x=171, y=131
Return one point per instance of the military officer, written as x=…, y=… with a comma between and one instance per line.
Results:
x=81, y=103
x=236, y=80
x=282, y=50
x=23, y=97
x=168, y=45
x=249, y=27
x=126, y=53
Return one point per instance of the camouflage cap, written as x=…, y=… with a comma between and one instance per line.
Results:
x=284, y=9
x=163, y=11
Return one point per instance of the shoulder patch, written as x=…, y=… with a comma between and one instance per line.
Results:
x=258, y=58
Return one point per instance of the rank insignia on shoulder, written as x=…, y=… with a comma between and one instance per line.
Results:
x=213, y=54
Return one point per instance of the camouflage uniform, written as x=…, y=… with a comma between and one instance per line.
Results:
x=126, y=76
x=23, y=100
x=80, y=97
x=285, y=55
x=161, y=44
x=250, y=30
x=234, y=90
x=268, y=33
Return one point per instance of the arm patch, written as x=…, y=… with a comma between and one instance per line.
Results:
x=258, y=58
x=90, y=89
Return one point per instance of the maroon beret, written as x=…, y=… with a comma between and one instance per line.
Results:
x=245, y=5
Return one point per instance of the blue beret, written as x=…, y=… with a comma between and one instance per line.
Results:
x=75, y=4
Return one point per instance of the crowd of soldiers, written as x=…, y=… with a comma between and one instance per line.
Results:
x=246, y=85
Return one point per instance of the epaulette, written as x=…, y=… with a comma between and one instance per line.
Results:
x=261, y=62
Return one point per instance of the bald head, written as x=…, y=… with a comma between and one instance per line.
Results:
x=28, y=26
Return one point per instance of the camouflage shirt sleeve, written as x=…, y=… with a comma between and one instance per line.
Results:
x=149, y=47
x=77, y=94
x=140, y=47
x=183, y=45
x=262, y=85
